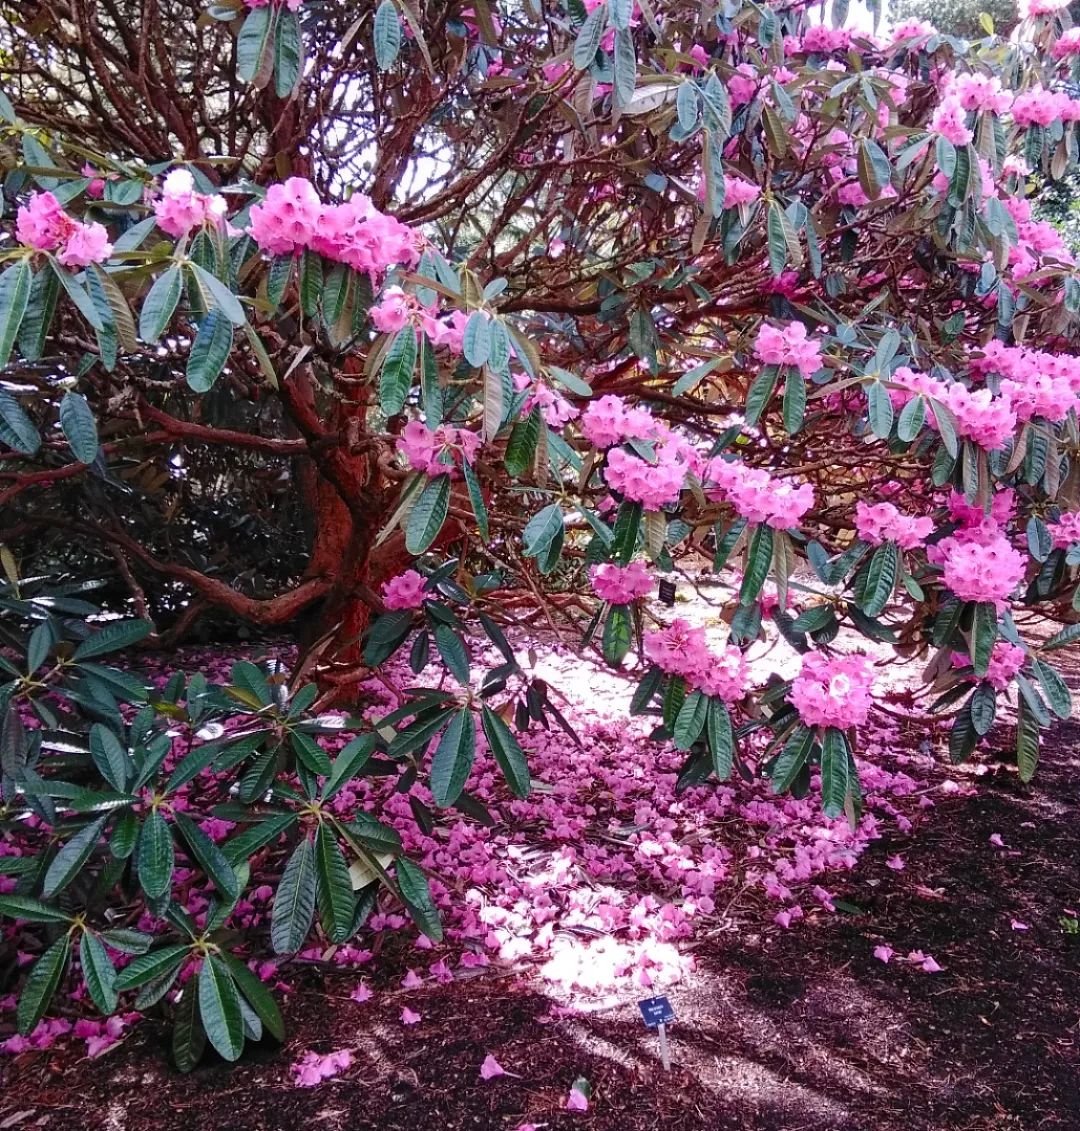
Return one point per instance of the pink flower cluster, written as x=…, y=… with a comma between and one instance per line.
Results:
x=788, y=345
x=609, y=420
x=1035, y=382
x=682, y=650
x=756, y=495
x=1068, y=45
x=292, y=217
x=986, y=420
x=1005, y=661
x=818, y=40
x=882, y=522
x=180, y=208
x=833, y=691
x=985, y=570
x=981, y=92
x=1041, y=107
x=43, y=225
x=654, y=485
x=620, y=585
x=406, y=591
x=437, y=452
x=950, y=122
x=1066, y=529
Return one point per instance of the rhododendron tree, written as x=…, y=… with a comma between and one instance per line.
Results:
x=520, y=305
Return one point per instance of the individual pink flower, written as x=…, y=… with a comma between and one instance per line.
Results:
x=883, y=953
x=180, y=208
x=362, y=993
x=882, y=522
x=408, y=1017
x=895, y=863
x=41, y=223
x=577, y=1100
x=392, y=312
x=1017, y=925
x=88, y=243
x=833, y=691
x=406, y=591
x=1065, y=530
x=312, y=1068
x=987, y=571
x=621, y=585
x=491, y=1068
x=437, y=452
x=788, y=346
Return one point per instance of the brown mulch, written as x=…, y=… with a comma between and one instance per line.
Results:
x=798, y=1030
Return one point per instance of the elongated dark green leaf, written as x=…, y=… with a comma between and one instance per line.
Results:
x=880, y=579
x=79, y=296
x=209, y=351
x=69, y=861
x=618, y=633
x=792, y=759
x=110, y=756
x=257, y=996
x=428, y=515
x=396, y=376
x=690, y=721
x=1027, y=742
x=983, y=635
x=476, y=499
x=31, y=910
x=127, y=941
x=246, y=844
x=219, y=1008
x=188, y=1037
x=79, y=427
x=758, y=560
x=253, y=41
x=16, y=428
x=209, y=857
x=288, y=53
x=508, y=753
x=834, y=771
x=880, y=410
x=99, y=974
x=625, y=67
x=1054, y=687
x=760, y=393
x=588, y=38
x=983, y=707
x=453, y=652
x=912, y=418
x=721, y=738
x=413, y=885
x=156, y=857
x=158, y=964
x=521, y=448
x=348, y=764
x=542, y=529
x=41, y=985
x=310, y=753
x=114, y=636
x=294, y=903
x=334, y=892
x=453, y=759
x=15, y=285
x=387, y=35
x=160, y=303
x=476, y=343
x=794, y=400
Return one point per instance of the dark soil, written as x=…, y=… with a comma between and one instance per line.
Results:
x=798, y=1030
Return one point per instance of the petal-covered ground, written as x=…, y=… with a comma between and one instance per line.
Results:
x=778, y=946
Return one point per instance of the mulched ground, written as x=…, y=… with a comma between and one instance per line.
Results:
x=799, y=1030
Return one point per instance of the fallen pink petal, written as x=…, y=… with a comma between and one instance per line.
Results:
x=491, y=1068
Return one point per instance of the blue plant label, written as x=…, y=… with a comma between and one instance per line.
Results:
x=656, y=1011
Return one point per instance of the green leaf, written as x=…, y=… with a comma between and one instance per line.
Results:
x=760, y=393
x=794, y=400
x=617, y=634
x=912, y=418
x=294, y=903
x=792, y=759
x=348, y=764
x=834, y=771
x=521, y=448
x=79, y=428
x=127, y=941
x=218, y=294
x=453, y=759
x=114, y=636
x=209, y=857
x=387, y=35
x=16, y=428
x=79, y=296
x=1060, y=639
x=156, y=965
x=982, y=707
x=453, y=652
x=588, y=38
x=189, y=1037
x=99, y=974
x=508, y=753
x=758, y=560
x=219, y=1008
x=110, y=756
x=416, y=894
x=983, y=635
x=258, y=997
x=646, y=691
x=690, y=721
x=69, y=861
x=1056, y=690
x=427, y=515
x=399, y=364
x=476, y=499
x=209, y=351
x=542, y=529
x=310, y=753
x=156, y=857
x=41, y=985
x=476, y=343
x=881, y=574
x=880, y=410
x=253, y=41
x=31, y=910
x=15, y=285
x=625, y=68
x=288, y=53
x=1027, y=742
x=873, y=168
x=721, y=738
x=334, y=892
x=312, y=287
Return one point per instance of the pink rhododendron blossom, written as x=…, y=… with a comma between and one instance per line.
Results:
x=577, y=1101
x=996, y=841
x=88, y=243
x=895, y=863
x=833, y=691
x=977, y=571
x=438, y=452
x=42, y=224
x=180, y=208
x=1005, y=661
x=392, y=312
x=756, y=495
x=653, y=484
x=621, y=584
x=408, y=1017
x=883, y=953
x=1065, y=529
x=406, y=591
x=950, y=121
x=788, y=345
x=362, y=993
x=682, y=650
x=882, y=522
